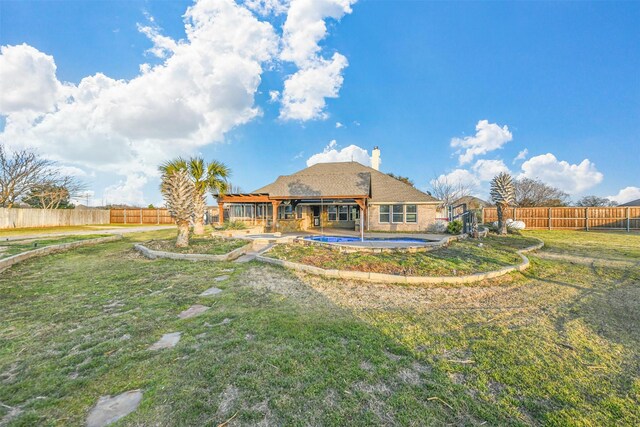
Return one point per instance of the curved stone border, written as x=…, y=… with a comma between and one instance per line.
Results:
x=392, y=278
x=234, y=254
x=8, y=262
x=346, y=248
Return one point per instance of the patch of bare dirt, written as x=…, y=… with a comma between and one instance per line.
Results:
x=227, y=399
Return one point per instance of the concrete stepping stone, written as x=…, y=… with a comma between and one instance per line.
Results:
x=193, y=311
x=221, y=278
x=167, y=341
x=109, y=409
x=211, y=291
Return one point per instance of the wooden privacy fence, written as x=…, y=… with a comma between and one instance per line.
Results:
x=140, y=216
x=25, y=218
x=149, y=216
x=572, y=218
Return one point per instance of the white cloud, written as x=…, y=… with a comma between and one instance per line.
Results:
x=459, y=177
x=28, y=81
x=317, y=78
x=268, y=7
x=626, y=194
x=571, y=178
x=339, y=125
x=71, y=171
x=305, y=92
x=486, y=170
x=521, y=155
x=129, y=191
x=488, y=137
x=274, y=95
x=331, y=153
x=204, y=87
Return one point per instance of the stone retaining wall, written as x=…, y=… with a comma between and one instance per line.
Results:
x=234, y=254
x=392, y=278
x=8, y=262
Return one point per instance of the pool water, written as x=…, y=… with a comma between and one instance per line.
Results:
x=347, y=239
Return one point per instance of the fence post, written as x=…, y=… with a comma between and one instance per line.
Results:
x=628, y=220
x=514, y=214
x=140, y=215
x=125, y=215
x=586, y=218
x=549, y=218
x=158, y=216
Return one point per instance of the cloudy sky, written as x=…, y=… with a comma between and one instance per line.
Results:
x=111, y=89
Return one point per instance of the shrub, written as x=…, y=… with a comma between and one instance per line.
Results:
x=454, y=227
x=234, y=225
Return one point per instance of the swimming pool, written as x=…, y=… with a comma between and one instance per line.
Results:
x=348, y=239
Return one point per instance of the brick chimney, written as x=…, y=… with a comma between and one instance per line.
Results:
x=375, y=158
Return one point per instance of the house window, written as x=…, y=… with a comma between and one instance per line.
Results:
x=299, y=212
x=343, y=213
x=398, y=214
x=384, y=213
x=411, y=213
x=333, y=213
x=355, y=213
x=285, y=212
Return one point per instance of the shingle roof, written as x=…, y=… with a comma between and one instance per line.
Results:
x=345, y=179
x=632, y=203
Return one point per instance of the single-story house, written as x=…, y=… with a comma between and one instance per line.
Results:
x=632, y=203
x=335, y=195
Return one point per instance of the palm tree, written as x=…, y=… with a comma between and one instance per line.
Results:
x=503, y=194
x=212, y=176
x=178, y=191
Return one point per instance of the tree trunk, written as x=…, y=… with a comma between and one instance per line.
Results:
x=198, y=214
x=183, y=235
x=198, y=226
x=502, y=224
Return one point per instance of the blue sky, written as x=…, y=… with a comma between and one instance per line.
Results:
x=454, y=89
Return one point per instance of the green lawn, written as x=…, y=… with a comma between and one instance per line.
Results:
x=198, y=245
x=9, y=248
x=555, y=345
x=13, y=232
x=460, y=257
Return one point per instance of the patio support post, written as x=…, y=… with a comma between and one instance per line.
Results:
x=220, y=212
x=275, y=205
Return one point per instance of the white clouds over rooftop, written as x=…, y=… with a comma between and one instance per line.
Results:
x=332, y=153
x=488, y=137
x=572, y=178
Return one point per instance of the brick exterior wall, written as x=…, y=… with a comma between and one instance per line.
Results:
x=426, y=216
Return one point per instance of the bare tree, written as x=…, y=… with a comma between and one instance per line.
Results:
x=595, y=201
x=533, y=192
x=20, y=171
x=54, y=193
x=448, y=191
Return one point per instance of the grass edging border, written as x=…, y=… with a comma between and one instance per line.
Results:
x=12, y=260
x=393, y=278
x=230, y=256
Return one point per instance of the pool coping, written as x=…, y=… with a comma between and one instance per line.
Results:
x=393, y=278
x=346, y=248
x=14, y=259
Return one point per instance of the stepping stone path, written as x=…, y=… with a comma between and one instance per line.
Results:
x=109, y=409
x=193, y=311
x=211, y=291
x=221, y=278
x=167, y=341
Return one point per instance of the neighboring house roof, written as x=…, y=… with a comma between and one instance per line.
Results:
x=632, y=203
x=472, y=202
x=345, y=179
